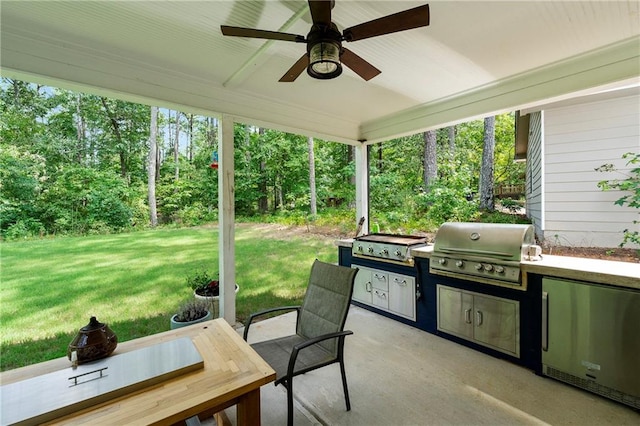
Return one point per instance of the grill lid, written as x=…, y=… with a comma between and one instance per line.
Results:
x=497, y=241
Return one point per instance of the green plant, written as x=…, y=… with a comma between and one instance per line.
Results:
x=631, y=185
x=202, y=282
x=510, y=204
x=192, y=310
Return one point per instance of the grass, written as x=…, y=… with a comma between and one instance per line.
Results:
x=134, y=282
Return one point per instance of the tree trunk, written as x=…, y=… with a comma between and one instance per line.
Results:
x=312, y=179
x=190, y=156
x=430, y=159
x=263, y=197
x=81, y=132
x=176, y=148
x=152, y=166
x=451, y=133
x=116, y=131
x=351, y=155
x=486, y=172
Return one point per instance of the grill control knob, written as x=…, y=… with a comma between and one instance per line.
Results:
x=370, y=249
x=442, y=261
x=398, y=253
x=459, y=263
x=360, y=249
x=478, y=266
x=384, y=252
x=499, y=269
x=488, y=268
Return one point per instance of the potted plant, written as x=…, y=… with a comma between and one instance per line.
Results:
x=206, y=287
x=203, y=283
x=191, y=312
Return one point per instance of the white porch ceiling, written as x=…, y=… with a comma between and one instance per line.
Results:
x=476, y=58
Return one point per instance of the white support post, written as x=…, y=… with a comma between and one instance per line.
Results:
x=226, y=219
x=362, y=186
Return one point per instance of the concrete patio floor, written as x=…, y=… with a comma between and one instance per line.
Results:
x=399, y=375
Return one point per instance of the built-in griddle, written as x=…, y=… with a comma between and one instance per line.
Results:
x=387, y=247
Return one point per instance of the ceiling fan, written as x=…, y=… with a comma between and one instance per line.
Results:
x=325, y=53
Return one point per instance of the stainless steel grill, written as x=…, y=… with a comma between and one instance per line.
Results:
x=387, y=247
x=486, y=252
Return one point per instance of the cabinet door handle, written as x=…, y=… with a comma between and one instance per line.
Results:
x=400, y=282
x=380, y=277
x=381, y=295
x=368, y=287
x=545, y=321
x=478, y=318
x=467, y=316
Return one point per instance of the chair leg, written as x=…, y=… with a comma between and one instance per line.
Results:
x=289, y=387
x=344, y=385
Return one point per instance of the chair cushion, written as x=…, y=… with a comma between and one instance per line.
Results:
x=326, y=303
x=277, y=352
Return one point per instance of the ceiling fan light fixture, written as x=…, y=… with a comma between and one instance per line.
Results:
x=324, y=60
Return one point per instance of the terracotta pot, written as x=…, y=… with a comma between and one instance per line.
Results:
x=93, y=341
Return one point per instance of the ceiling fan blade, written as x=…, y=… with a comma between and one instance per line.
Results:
x=253, y=33
x=295, y=71
x=361, y=67
x=401, y=21
x=321, y=11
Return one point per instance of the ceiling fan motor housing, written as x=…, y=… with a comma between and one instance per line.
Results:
x=324, y=48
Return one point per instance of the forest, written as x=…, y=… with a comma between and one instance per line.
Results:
x=75, y=164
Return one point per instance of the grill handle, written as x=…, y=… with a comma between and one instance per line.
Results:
x=545, y=321
x=453, y=250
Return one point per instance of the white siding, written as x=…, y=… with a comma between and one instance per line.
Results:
x=577, y=139
x=534, y=174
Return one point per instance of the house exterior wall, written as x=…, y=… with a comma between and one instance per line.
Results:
x=578, y=138
x=534, y=174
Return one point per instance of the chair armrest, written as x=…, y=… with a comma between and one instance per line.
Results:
x=319, y=339
x=340, y=335
x=264, y=312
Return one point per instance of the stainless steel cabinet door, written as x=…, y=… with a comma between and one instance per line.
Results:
x=362, y=286
x=402, y=295
x=455, y=312
x=592, y=332
x=497, y=323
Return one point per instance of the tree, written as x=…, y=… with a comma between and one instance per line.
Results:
x=176, y=147
x=451, y=136
x=486, y=171
x=430, y=159
x=151, y=167
x=312, y=179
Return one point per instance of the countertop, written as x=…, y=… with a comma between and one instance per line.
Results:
x=609, y=272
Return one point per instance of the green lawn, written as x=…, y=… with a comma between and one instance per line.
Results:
x=134, y=282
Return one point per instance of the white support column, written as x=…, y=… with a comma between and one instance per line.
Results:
x=226, y=221
x=362, y=186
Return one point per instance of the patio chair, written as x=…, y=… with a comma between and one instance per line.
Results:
x=320, y=334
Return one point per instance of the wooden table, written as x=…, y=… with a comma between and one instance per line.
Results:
x=232, y=375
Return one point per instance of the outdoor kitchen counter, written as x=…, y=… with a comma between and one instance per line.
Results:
x=347, y=242
x=622, y=274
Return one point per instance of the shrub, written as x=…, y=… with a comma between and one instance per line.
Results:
x=24, y=228
x=443, y=203
x=630, y=184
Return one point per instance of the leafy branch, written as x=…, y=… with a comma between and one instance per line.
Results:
x=630, y=184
